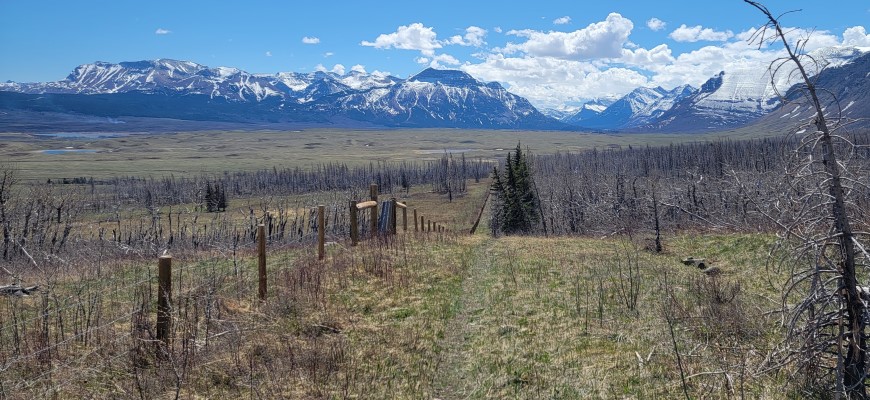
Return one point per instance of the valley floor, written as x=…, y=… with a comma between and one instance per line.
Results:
x=446, y=316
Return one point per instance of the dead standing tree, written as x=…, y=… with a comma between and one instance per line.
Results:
x=829, y=321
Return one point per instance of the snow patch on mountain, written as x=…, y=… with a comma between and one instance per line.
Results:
x=187, y=78
x=637, y=108
x=444, y=98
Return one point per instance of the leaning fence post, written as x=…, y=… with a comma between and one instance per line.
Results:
x=354, y=225
x=321, y=231
x=373, y=192
x=261, y=261
x=164, y=298
x=393, y=216
x=415, y=220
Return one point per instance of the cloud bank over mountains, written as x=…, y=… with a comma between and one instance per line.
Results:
x=558, y=67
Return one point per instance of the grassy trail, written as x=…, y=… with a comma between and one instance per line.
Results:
x=452, y=379
x=545, y=318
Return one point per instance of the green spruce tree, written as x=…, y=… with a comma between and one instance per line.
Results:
x=209, y=197
x=515, y=207
x=497, y=201
x=221, y=198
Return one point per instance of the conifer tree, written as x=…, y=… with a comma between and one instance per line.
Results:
x=221, y=198
x=208, y=195
x=516, y=205
x=497, y=195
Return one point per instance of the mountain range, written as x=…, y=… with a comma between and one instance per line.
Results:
x=187, y=91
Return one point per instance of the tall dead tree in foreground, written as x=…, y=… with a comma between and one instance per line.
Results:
x=830, y=320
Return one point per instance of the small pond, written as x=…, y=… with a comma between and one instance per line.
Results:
x=80, y=135
x=68, y=151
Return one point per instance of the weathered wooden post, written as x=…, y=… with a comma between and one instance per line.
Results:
x=405, y=219
x=321, y=231
x=393, y=206
x=354, y=227
x=261, y=261
x=429, y=227
x=415, y=221
x=373, y=192
x=164, y=298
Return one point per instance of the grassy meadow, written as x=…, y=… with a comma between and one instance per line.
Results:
x=415, y=316
x=215, y=152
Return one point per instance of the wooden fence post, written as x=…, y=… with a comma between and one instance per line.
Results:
x=354, y=227
x=261, y=261
x=373, y=192
x=164, y=298
x=404, y=219
x=321, y=231
x=415, y=221
x=393, y=216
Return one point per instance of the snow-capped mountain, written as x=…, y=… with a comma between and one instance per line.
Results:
x=845, y=96
x=744, y=94
x=590, y=109
x=637, y=108
x=560, y=113
x=443, y=98
x=729, y=99
x=190, y=91
x=184, y=90
x=189, y=78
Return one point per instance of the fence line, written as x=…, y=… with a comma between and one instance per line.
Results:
x=165, y=306
x=388, y=220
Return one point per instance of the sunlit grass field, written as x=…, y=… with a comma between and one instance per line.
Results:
x=416, y=316
x=156, y=155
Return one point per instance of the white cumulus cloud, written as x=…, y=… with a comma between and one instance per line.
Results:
x=438, y=61
x=697, y=33
x=552, y=82
x=473, y=37
x=656, y=24
x=658, y=55
x=603, y=39
x=562, y=20
x=310, y=40
x=856, y=36
x=408, y=37
x=161, y=31
x=337, y=68
x=358, y=68
x=268, y=54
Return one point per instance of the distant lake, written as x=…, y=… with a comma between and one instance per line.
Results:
x=81, y=135
x=65, y=151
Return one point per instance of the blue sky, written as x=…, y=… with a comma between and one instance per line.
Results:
x=553, y=52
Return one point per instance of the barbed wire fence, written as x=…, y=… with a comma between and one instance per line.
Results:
x=98, y=320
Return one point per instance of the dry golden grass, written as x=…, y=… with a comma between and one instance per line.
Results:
x=211, y=152
x=419, y=316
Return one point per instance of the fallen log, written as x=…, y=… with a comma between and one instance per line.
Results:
x=17, y=290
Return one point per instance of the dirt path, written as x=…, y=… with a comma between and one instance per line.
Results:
x=452, y=380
